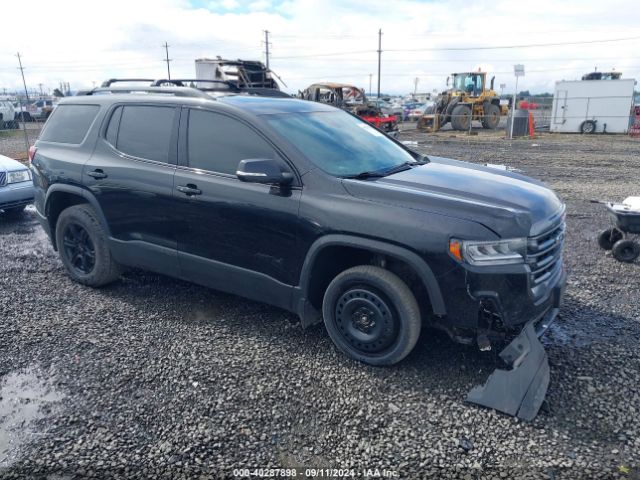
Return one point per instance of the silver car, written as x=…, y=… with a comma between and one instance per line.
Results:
x=16, y=186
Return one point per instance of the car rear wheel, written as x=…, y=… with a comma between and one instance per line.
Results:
x=82, y=244
x=371, y=315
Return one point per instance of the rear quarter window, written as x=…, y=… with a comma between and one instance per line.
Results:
x=69, y=123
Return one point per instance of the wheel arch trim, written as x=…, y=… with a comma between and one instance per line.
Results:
x=411, y=258
x=80, y=192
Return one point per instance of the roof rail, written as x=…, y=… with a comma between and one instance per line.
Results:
x=176, y=91
x=230, y=87
x=111, y=81
x=180, y=82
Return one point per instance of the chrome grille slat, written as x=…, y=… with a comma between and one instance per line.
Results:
x=3, y=179
x=544, y=255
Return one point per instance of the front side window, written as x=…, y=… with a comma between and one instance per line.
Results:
x=338, y=143
x=69, y=123
x=217, y=143
x=145, y=131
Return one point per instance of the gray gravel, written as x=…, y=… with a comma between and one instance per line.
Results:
x=157, y=378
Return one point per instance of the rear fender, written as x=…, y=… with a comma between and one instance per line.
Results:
x=85, y=194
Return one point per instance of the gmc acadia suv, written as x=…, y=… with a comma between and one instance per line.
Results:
x=300, y=205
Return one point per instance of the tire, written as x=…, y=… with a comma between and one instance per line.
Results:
x=626, y=251
x=83, y=248
x=491, y=117
x=461, y=117
x=371, y=315
x=588, y=127
x=609, y=237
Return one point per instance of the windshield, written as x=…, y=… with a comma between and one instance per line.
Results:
x=469, y=82
x=338, y=143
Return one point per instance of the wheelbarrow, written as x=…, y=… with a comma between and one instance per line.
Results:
x=622, y=237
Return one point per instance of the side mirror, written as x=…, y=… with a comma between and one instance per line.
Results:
x=492, y=80
x=263, y=170
x=448, y=78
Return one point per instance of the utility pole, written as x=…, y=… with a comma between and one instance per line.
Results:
x=167, y=59
x=370, y=78
x=23, y=80
x=415, y=86
x=266, y=45
x=24, y=123
x=379, y=57
x=41, y=94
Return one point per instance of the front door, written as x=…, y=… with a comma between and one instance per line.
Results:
x=234, y=236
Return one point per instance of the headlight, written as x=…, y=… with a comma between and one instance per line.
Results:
x=494, y=252
x=19, y=176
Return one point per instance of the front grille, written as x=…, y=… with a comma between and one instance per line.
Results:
x=3, y=179
x=544, y=256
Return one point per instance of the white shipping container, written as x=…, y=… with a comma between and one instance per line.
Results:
x=608, y=103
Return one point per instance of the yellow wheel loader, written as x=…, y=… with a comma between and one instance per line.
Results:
x=468, y=99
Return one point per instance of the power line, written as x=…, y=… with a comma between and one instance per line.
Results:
x=356, y=52
x=501, y=47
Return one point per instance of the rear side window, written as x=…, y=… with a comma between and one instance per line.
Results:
x=69, y=123
x=145, y=131
x=217, y=143
x=112, y=129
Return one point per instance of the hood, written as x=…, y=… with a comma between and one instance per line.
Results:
x=9, y=164
x=510, y=204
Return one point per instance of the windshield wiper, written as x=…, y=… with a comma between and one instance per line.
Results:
x=387, y=171
x=364, y=175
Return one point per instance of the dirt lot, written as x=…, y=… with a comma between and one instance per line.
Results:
x=153, y=377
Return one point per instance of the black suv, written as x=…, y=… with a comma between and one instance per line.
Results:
x=300, y=205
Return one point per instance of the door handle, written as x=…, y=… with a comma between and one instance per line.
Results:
x=189, y=189
x=97, y=174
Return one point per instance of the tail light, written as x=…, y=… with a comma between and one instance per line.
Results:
x=32, y=152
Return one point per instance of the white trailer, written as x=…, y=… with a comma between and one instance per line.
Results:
x=590, y=106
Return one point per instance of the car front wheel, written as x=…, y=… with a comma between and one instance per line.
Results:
x=371, y=315
x=82, y=244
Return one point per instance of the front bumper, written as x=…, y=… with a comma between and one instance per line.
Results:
x=16, y=194
x=496, y=301
x=521, y=390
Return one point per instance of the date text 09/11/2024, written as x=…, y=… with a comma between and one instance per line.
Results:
x=315, y=473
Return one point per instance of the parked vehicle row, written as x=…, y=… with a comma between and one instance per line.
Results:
x=7, y=115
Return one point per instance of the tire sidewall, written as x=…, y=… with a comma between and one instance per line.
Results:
x=405, y=340
x=84, y=217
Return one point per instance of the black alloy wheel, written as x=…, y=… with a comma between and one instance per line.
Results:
x=83, y=245
x=79, y=249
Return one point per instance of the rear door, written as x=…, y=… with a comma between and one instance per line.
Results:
x=560, y=113
x=234, y=236
x=131, y=175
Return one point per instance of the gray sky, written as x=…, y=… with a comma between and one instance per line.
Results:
x=82, y=42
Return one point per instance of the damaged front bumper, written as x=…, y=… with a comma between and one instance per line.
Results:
x=521, y=390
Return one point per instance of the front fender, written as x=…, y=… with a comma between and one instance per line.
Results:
x=301, y=293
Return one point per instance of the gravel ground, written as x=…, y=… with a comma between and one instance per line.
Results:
x=12, y=142
x=157, y=378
